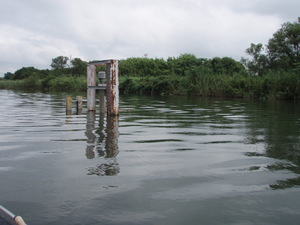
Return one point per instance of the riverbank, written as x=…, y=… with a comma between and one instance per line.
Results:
x=275, y=85
x=272, y=86
x=184, y=75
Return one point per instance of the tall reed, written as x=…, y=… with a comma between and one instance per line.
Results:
x=275, y=85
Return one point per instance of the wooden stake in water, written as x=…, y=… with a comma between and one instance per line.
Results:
x=79, y=104
x=68, y=105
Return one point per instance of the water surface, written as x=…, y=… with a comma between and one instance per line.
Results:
x=165, y=160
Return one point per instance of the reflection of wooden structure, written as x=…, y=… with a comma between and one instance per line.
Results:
x=102, y=142
x=111, y=86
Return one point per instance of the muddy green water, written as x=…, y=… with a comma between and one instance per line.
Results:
x=165, y=160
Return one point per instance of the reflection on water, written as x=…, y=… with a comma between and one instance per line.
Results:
x=103, y=143
x=213, y=122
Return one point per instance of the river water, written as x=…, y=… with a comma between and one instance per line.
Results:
x=165, y=160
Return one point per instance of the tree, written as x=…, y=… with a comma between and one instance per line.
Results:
x=226, y=66
x=59, y=62
x=284, y=47
x=185, y=62
x=258, y=65
x=78, y=66
x=143, y=67
x=8, y=76
x=24, y=72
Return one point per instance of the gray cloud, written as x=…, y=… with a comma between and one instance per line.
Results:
x=285, y=10
x=35, y=31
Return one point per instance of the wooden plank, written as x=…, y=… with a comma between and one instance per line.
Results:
x=91, y=93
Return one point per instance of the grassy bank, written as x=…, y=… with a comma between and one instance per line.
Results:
x=183, y=75
x=279, y=85
x=60, y=83
x=282, y=85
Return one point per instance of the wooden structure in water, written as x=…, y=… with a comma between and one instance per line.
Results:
x=109, y=83
x=69, y=105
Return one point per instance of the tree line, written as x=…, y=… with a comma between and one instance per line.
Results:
x=59, y=66
x=270, y=70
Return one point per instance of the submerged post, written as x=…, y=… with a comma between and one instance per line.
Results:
x=91, y=93
x=68, y=105
x=79, y=104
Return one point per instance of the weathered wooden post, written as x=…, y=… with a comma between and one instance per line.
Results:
x=68, y=105
x=112, y=88
x=91, y=92
x=79, y=104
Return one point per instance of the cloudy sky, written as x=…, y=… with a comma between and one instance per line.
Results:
x=32, y=32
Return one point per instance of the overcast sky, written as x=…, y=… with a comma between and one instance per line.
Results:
x=32, y=32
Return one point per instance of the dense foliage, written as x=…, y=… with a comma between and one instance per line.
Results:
x=281, y=53
x=271, y=72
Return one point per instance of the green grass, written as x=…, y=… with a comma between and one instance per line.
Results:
x=61, y=83
x=67, y=83
x=276, y=85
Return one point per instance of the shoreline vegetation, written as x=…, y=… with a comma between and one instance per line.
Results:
x=271, y=72
x=234, y=82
